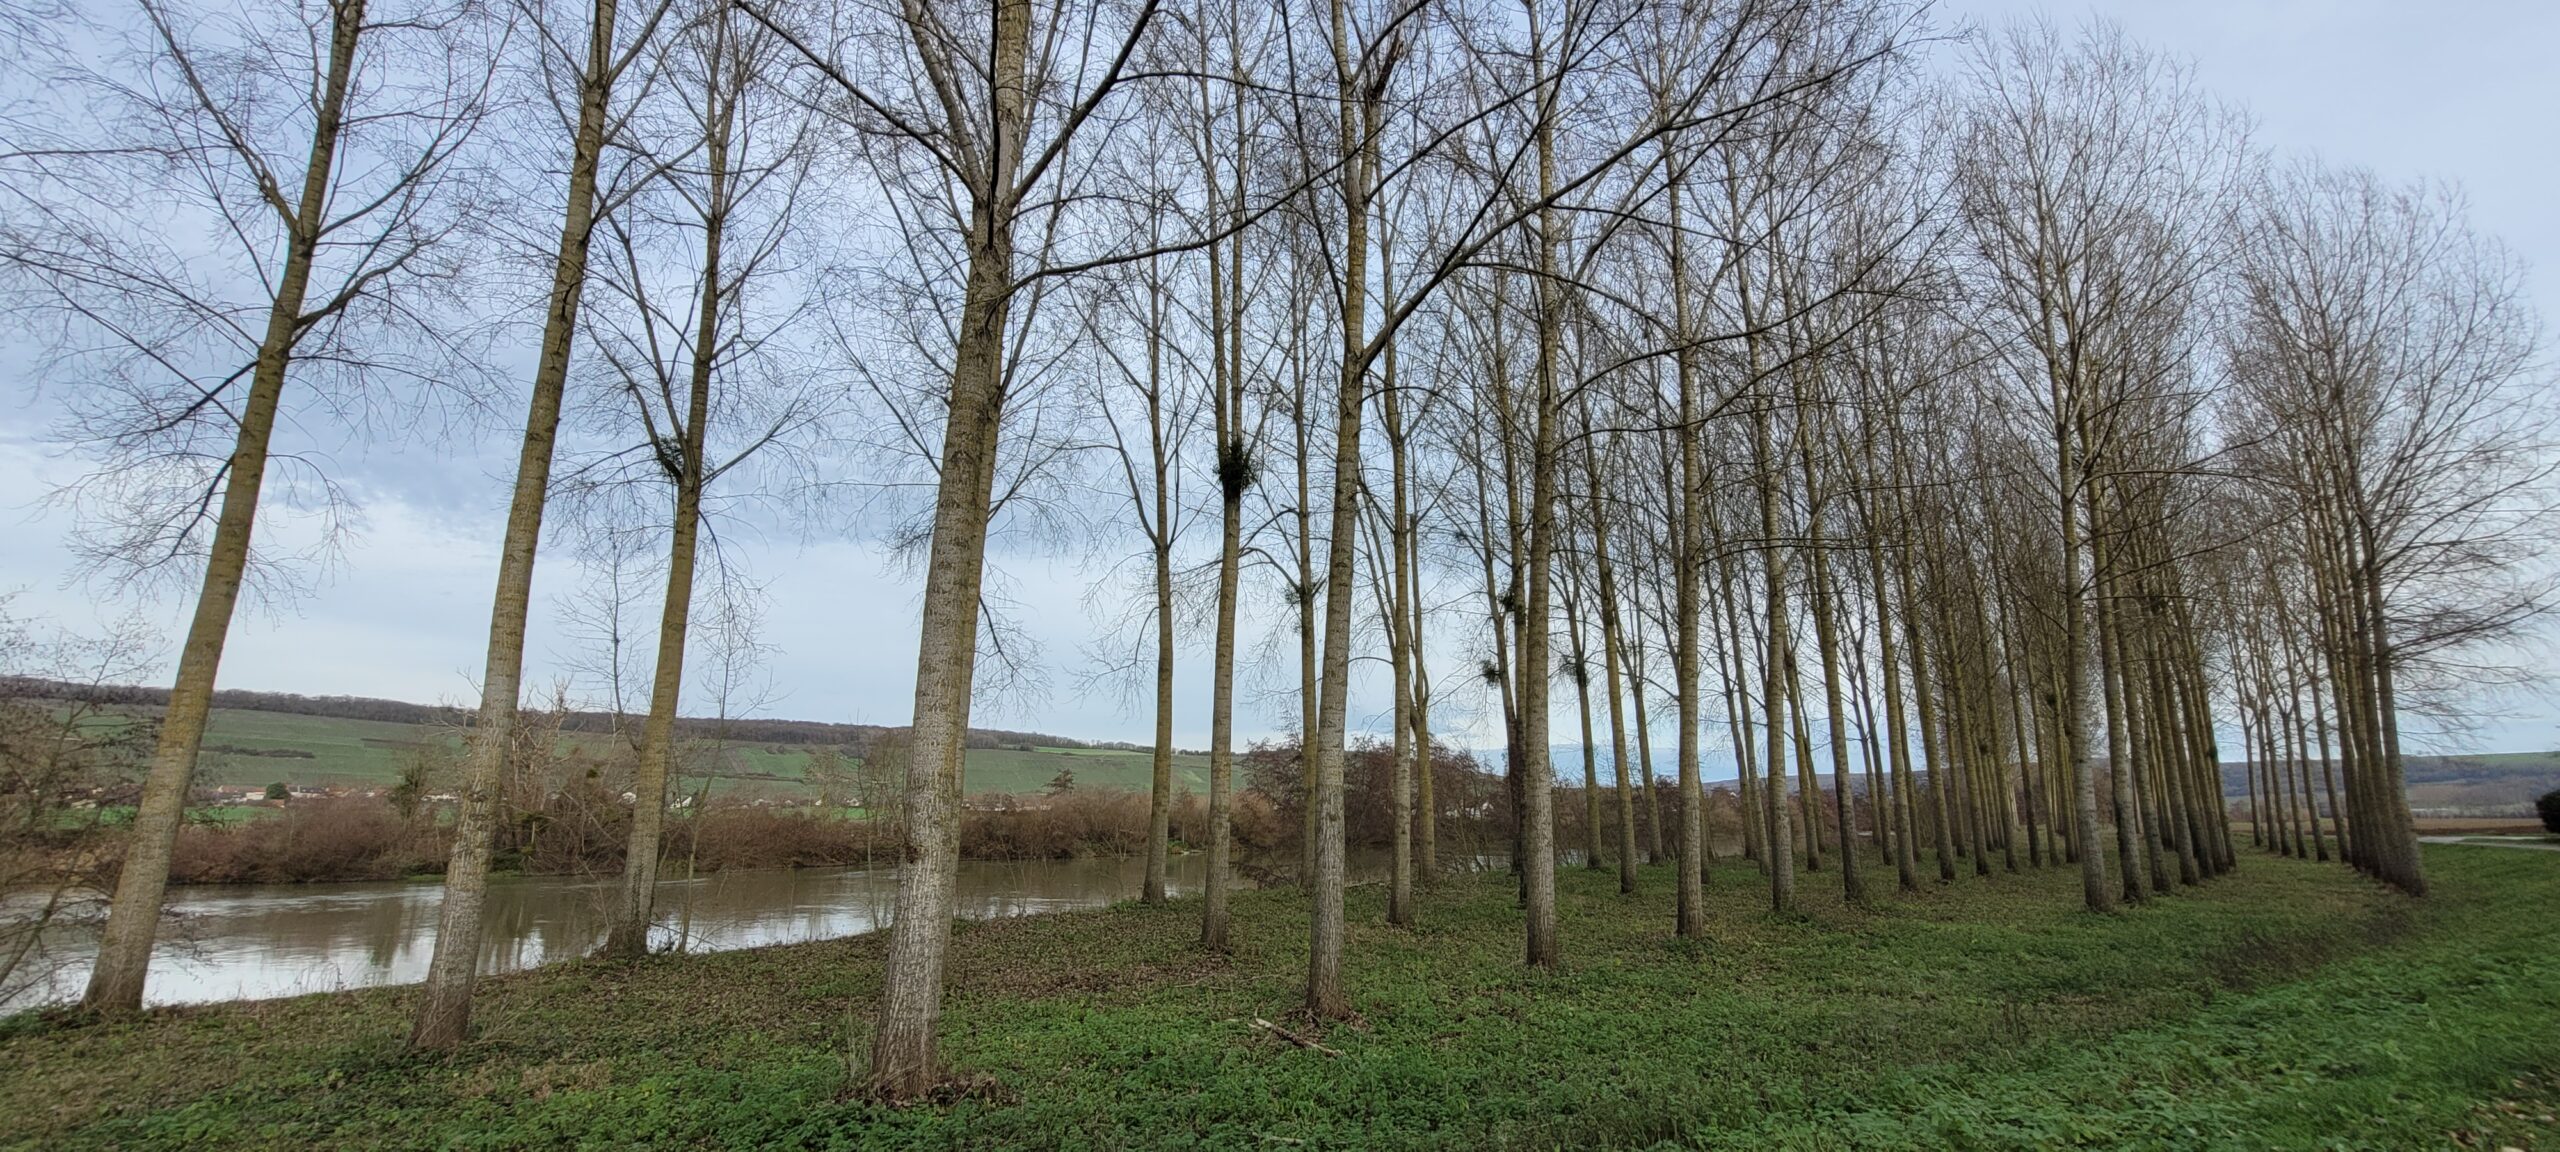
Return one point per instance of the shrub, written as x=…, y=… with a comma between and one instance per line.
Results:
x=2549, y=806
x=1101, y=822
x=746, y=837
x=330, y=840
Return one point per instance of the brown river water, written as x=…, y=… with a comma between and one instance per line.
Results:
x=252, y=942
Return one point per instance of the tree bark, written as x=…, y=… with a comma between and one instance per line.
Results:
x=904, y=1060
x=133, y=918
x=444, y=1011
x=629, y=938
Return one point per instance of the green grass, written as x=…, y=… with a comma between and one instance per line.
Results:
x=1015, y=770
x=342, y=751
x=370, y=754
x=2290, y=1006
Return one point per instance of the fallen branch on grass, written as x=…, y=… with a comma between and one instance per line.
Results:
x=1294, y=1038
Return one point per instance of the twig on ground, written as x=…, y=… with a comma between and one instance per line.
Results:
x=1294, y=1038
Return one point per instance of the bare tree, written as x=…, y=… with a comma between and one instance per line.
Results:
x=2384, y=347
x=1144, y=454
x=593, y=62
x=318, y=147
x=66, y=758
x=2090, y=174
x=729, y=171
x=981, y=126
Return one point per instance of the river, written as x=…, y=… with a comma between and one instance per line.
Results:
x=252, y=942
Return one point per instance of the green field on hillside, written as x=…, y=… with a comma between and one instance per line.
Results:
x=240, y=748
x=1030, y=770
x=257, y=748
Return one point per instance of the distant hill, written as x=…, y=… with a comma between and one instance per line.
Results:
x=2488, y=783
x=755, y=730
x=2480, y=784
x=257, y=738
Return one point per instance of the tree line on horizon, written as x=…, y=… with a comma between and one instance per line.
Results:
x=744, y=729
x=1973, y=416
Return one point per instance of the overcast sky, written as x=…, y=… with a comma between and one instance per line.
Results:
x=2457, y=91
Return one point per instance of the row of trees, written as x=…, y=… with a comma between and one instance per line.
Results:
x=1977, y=435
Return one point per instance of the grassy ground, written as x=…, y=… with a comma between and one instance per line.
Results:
x=2291, y=1006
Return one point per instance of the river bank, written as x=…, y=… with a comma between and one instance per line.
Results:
x=351, y=840
x=2286, y=1005
x=254, y=942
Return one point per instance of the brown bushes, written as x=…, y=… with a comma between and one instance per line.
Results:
x=1102, y=822
x=1475, y=807
x=328, y=840
x=726, y=837
x=582, y=832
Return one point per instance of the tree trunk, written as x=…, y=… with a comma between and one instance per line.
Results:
x=1609, y=657
x=2394, y=833
x=2074, y=708
x=444, y=1011
x=1402, y=641
x=1905, y=849
x=133, y=919
x=2119, y=763
x=1590, y=749
x=1325, y=999
x=1827, y=640
x=1160, y=780
x=904, y=1063
x=629, y=938
x=1235, y=474
x=1232, y=477
x=1310, y=664
x=903, y=1048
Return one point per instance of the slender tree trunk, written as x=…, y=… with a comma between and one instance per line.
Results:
x=1234, y=473
x=2119, y=766
x=1740, y=721
x=1773, y=690
x=1650, y=794
x=1357, y=123
x=1609, y=658
x=1310, y=664
x=2328, y=771
x=1401, y=643
x=1934, y=742
x=1160, y=778
x=1537, y=782
x=1827, y=640
x=1905, y=850
x=903, y=1052
x=1426, y=803
x=1686, y=556
x=2074, y=708
x=1590, y=749
x=2145, y=767
x=2171, y=749
x=629, y=938
x=133, y=919
x=444, y=1011
x=2249, y=764
x=1808, y=805
x=2397, y=833
x=1644, y=741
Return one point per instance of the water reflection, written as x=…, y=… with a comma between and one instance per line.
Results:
x=236, y=942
